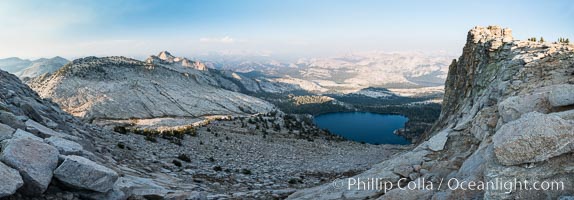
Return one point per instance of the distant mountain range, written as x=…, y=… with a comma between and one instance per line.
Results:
x=350, y=73
x=339, y=74
x=31, y=68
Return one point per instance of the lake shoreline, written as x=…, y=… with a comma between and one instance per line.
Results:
x=364, y=127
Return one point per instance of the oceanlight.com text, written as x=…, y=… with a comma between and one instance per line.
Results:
x=507, y=186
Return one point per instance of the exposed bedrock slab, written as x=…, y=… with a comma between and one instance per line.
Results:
x=534, y=137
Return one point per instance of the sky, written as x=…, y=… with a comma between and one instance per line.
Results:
x=295, y=28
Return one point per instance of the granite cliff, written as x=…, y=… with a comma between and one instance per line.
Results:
x=507, y=115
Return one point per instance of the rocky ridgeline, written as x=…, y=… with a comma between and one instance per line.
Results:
x=31, y=68
x=119, y=88
x=165, y=57
x=508, y=113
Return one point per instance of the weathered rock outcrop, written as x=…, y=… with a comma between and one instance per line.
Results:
x=507, y=116
x=165, y=57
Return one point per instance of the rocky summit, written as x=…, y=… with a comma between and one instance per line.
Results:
x=507, y=116
x=165, y=57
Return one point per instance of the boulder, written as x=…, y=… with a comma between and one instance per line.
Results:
x=43, y=131
x=11, y=180
x=561, y=95
x=82, y=173
x=31, y=112
x=66, y=147
x=513, y=107
x=21, y=134
x=438, y=141
x=34, y=160
x=533, y=138
x=6, y=132
x=11, y=120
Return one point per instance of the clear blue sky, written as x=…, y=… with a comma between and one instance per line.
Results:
x=137, y=28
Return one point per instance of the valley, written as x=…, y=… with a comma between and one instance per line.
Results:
x=240, y=158
x=307, y=94
x=173, y=121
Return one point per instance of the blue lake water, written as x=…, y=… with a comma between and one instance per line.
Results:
x=364, y=127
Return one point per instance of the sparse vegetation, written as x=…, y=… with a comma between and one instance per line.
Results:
x=174, y=135
x=246, y=171
x=294, y=181
x=150, y=138
x=184, y=157
x=310, y=99
x=121, y=129
x=177, y=163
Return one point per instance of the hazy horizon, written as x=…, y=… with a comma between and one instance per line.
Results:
x=72, y=29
